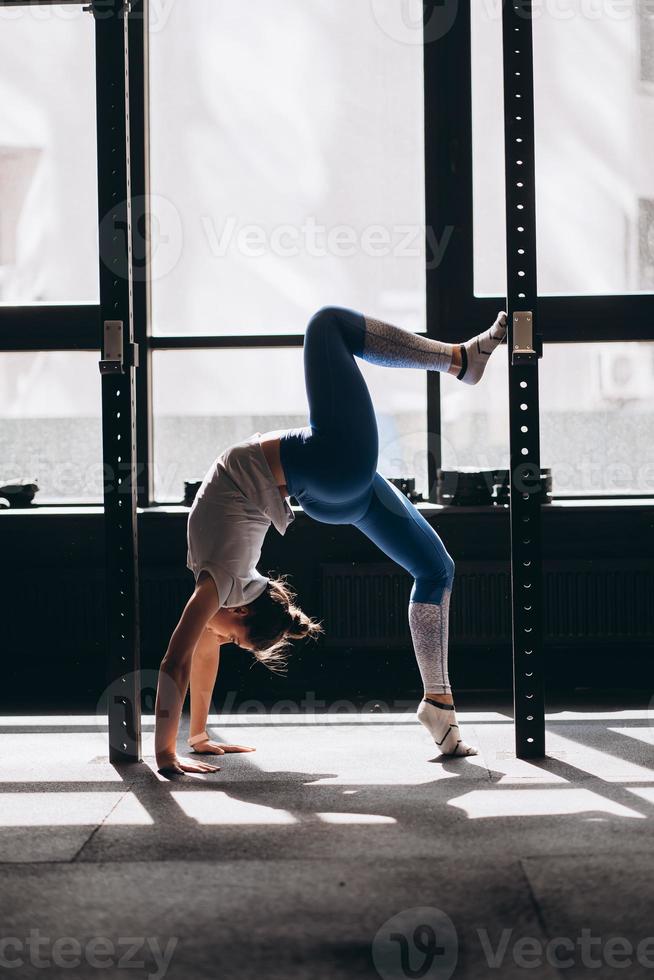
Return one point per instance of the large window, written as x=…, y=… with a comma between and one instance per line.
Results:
x=597, y=423
x=48, y=196
x=287, y=166
x=296, y=181
x=50, y=424
x=594, y=154
x=594, y=148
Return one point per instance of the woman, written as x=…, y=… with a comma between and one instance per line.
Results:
x=330, y=467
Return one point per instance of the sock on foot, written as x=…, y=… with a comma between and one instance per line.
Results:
x=476, y=351
x=440, y=720
x=393, y=346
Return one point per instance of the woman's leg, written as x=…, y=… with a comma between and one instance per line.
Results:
x=399, y=529
x=330, y=463
x=330, y=467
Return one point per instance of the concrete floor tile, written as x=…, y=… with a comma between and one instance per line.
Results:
x=286, y=920
x=55, y=757
x=603, y=907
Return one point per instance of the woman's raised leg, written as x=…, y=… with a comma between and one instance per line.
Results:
x=334, y=458
x=329, y=464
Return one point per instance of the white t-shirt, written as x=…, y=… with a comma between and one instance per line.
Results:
x=235, y=505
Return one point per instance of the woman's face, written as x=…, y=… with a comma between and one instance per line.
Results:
x=231, y=625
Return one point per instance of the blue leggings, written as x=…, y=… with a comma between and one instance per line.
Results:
x=331, y=464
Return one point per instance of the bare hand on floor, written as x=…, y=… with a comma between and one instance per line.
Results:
x=216, y=748
x=175, y=764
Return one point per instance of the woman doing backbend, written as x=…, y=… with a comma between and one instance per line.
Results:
x=330, y=467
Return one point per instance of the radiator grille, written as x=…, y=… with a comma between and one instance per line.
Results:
x=366, y=604
x=363, y=605
x=611, y=600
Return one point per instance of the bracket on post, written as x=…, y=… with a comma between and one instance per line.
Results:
x=114, y=360
x=527, y=345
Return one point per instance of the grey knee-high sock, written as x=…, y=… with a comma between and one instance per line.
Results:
x=428, y=623
x=392, y=346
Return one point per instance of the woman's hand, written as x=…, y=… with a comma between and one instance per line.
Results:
x=172, y=763
x=215, y=748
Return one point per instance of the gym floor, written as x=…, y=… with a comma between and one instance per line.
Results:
x=345, y=846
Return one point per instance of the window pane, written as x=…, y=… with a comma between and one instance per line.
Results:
x=206, y=400
x=597, y=420
x=594, y=149
x=287, y=166
x=475, y=419
x=48, y=194
x=50, y=424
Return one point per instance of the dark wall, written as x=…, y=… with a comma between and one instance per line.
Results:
x=599, y=606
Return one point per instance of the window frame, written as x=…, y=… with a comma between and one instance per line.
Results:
x=450, y=298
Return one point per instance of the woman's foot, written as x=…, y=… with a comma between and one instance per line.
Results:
x=474, y=353
x=439, y=718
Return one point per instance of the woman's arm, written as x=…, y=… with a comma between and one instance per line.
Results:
x=204, y=670
x=174, y=674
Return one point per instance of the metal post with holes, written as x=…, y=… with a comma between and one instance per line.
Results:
x=117, y=369
x=524, y=349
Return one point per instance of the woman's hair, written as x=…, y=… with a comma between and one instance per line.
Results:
x=273, y=620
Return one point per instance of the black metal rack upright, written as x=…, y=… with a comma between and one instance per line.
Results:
x=117, y=367
x=524, y=349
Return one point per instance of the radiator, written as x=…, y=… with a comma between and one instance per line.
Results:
x=362, y=605
x=365, y=605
